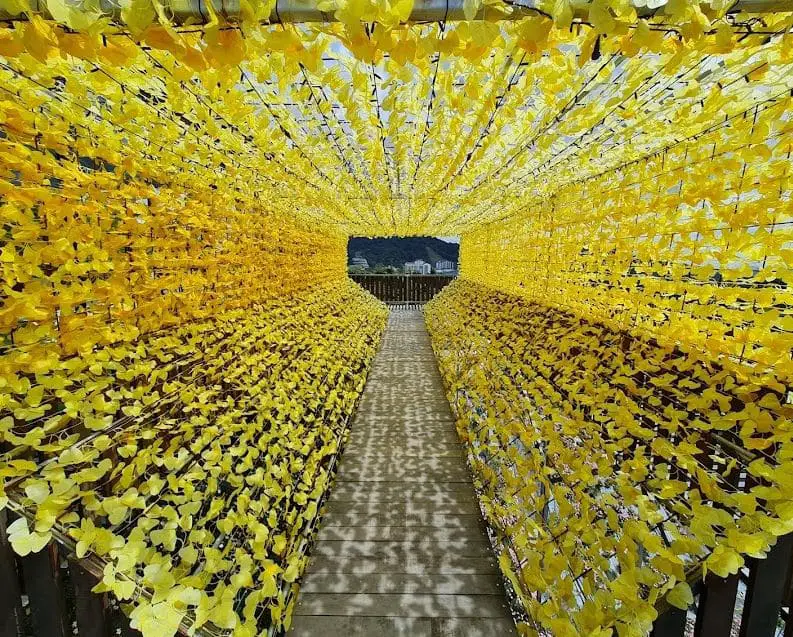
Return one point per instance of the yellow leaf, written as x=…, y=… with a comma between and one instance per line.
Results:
x=39, y=39
x=471, y=8
x=680, y=596
x=137, y=15
x=23, y=541
x=724, y=561
x=34, y=396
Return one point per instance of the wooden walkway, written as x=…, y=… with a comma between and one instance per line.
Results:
x=402, y=549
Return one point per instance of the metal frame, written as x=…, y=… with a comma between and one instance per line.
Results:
x=305, y=11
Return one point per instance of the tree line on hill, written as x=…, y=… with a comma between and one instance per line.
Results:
x=385, y=254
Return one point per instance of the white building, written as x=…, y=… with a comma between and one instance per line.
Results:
x=417, y=267
x=446, y=267
x=359, y=262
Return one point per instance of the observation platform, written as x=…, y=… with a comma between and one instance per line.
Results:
x=402, y=548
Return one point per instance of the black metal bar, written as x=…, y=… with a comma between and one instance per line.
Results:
x=11, y=612
x=765, y=591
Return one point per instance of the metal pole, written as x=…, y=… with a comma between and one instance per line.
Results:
x=297, y=11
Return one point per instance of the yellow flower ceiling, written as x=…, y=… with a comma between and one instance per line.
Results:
x=382, y=128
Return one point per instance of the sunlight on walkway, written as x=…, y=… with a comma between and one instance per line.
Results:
x=402, y=549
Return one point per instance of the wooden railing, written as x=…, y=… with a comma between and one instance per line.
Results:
x=403, y=288
x=48, y=594
x=755, y=602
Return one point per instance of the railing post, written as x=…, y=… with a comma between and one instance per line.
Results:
x=716, y=606
x=121, y=624
x=672, y=623
x=44, y=587
x=90, y=608
x=766, y=589
x=11, y=612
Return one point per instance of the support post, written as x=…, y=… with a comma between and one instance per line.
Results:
x=716, y=606
x=768, y=582
x=90, y=608
x=11, y=612
x=44, y=587
x=672, y=623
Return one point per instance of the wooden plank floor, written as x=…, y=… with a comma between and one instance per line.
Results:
x=401, y=549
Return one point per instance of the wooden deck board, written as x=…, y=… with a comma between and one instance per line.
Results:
x=328, y=626
x=402, y=549
x=430, y=583
x=403, y=605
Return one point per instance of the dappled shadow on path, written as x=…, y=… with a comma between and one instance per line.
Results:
x=402, y=549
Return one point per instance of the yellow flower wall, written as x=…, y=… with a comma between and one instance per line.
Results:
x=619, y=358
x=615, y=472
x=180, y=354
x=690, y=246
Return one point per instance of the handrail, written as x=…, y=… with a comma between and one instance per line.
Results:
x=306, y=11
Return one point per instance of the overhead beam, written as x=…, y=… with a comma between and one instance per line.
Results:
x=305, y=11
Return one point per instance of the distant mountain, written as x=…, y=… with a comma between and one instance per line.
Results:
x=396, y=251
